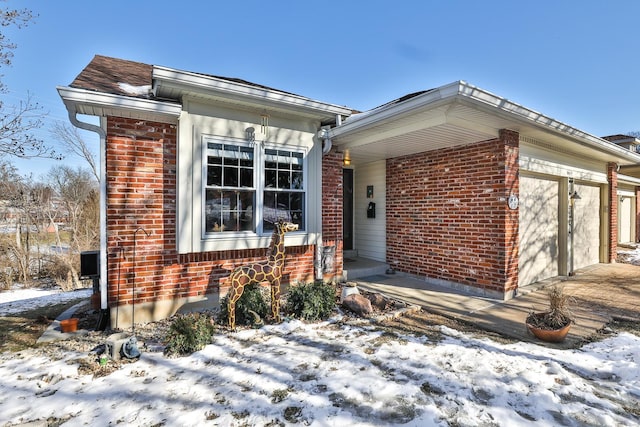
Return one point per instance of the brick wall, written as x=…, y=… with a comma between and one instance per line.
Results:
x=612, y=177
x=447, y=216
x=332, y=209
x=141, y=193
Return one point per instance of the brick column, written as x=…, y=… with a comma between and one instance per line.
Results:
x=637, y=222
x=511, y=141
x=332, y=209
x=612, y=177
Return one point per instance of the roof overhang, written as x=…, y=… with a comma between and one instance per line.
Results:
x=176, y=84
x=86, y=102
x=458, y=114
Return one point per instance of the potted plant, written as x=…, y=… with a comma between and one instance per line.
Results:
x=554, y=324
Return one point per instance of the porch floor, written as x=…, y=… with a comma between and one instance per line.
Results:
x=602, y=293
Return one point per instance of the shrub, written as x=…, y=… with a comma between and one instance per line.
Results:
x=254, y=299
x=189, y=333
x=311, y=301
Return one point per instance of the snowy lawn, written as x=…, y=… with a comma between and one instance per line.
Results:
x=332, y=374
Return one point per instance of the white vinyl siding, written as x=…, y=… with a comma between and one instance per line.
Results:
x=370, y=233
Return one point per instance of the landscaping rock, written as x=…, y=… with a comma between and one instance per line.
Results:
x=378, y=301
x=359, y=304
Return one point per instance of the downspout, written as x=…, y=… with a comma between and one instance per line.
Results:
x=104, y=312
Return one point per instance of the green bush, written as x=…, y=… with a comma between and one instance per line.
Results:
x=311, y=301
x=254, y=299
x=189, y=333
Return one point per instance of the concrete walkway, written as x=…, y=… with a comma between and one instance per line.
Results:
x=601, y=293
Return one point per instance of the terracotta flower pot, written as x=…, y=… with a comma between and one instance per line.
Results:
x=69, y=325
x=548, y=335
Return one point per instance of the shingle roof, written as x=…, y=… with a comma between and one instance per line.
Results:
x=121, y=77
x=111, y=75
x=618, y=137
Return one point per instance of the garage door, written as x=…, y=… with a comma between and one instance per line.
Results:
x=586, y=229
x=538, y=229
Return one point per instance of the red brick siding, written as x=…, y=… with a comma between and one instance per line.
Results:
x=612, y=177
x=141, y=192
x=447, y=216
x=332, y=207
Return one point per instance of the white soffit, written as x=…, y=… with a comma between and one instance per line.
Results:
x=86, y=102
x=458, y=114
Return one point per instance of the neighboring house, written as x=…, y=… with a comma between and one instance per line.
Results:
x=454, y=184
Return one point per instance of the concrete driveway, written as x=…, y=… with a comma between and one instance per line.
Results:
x=601, y=293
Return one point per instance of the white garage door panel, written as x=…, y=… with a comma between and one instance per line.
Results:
x=586, y=229
x=538, y=229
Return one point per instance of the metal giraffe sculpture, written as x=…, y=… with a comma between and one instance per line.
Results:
x=269, y=270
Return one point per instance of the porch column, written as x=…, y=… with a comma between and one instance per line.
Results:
x=637, y=214
x=332, y=212
x=612, y=177
x=511, y=141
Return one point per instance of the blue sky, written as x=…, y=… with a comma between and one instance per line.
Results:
x=576, y=61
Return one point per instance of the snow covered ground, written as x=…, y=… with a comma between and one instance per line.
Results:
x=21, y=299
x=332, y=374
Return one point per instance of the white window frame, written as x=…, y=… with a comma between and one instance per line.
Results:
x=259, y=187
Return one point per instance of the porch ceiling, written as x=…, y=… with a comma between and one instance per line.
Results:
x=459, y=114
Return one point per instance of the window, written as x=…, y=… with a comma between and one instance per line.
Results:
x=230, y=193
x=284, y=188
x=238, y=200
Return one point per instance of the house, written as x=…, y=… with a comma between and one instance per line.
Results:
x=453, y=184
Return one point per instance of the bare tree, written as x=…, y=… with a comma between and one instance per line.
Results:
x=77, y=196
x=21, y=203
x=70, y=138
x=17, y=122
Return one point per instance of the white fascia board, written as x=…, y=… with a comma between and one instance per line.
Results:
x=74, y=98
x=202, y=84
x=375, y=116
x=529, y=116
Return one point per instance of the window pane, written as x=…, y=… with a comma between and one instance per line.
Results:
x=230, y=177
x=214, y=207
x=229, y=211
x=214, y=175
x=245, y=210
x=246, y=156
x=296, y=207
x=283, y=205
x=296, y=161
x=246, y=177
x=270, y=179
x=271, y=157
x=283, y=179
x=274, y=209
x=297, y=183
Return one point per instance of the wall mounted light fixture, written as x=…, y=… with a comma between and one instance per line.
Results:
x=346, y=160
